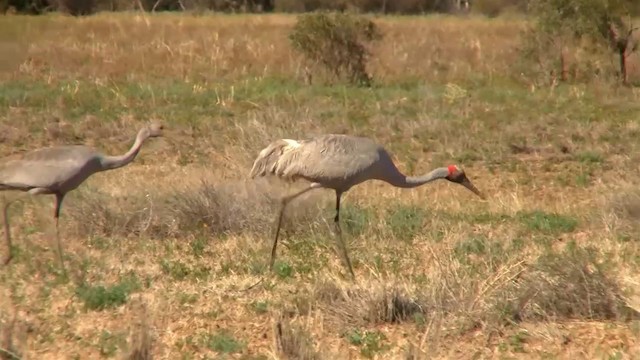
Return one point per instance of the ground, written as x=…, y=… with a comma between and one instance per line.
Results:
x=159, y=254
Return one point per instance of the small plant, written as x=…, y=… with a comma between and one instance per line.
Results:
x=260, y=307
x=223, y=342
x=548, y=223
x=355, y=220
x=109, y=343
x=283, y=269
x=100, y=297
x=370, y=342
x=405, y=221
x=337, y=41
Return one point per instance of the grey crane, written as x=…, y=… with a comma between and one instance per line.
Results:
x=59, y=169
x=339, y=162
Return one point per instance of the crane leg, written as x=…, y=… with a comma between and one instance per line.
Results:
x=341, y=244
x=286, y=200
x=7, y=226
x=7, y=231
x=59, y=198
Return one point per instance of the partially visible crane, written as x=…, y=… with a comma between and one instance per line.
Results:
x=339, y=162
x=60, y=169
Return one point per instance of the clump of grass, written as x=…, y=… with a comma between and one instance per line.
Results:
x=220, y=208
x=625, y=208
x=214, y=209
x=294, y=342
x=96, y=213
x=368, y=306
x=405, y=221
x=100, y=297
x=223, y=342
x=371, y=343
x=572, y=284
x=548, y=223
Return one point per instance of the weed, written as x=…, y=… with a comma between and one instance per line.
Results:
x=405, y=222
x=371, y=343
x=547, y=223
x=283, y=269
x=109, y=343
x=99, y=297
x=222, y=342
x=260, y=307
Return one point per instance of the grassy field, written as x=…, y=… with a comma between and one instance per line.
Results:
x=159, y=252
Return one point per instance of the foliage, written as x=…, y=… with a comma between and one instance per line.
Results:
x=602, y=23
x=337, y=41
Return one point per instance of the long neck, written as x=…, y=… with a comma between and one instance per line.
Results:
x=114, y=162
x=403, y=181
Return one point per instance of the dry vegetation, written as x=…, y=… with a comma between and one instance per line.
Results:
x=159, y=252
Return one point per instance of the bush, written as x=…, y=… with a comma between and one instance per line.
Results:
x=338, y=42
x=76, y=7
x=493, y=8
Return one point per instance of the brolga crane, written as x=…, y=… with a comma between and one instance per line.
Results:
x=59, y=169
x=339, y=162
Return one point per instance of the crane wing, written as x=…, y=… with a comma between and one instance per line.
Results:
x=325, y=159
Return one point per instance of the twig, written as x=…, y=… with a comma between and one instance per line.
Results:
x=10, y=353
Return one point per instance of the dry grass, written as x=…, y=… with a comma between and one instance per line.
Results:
x=160, y=251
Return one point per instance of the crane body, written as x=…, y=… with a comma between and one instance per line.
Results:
x=58, y=170
x=339, y=162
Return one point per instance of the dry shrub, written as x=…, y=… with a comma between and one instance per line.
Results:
x=371, y=305
x=225, y=208
x=572, y=284
x=293, y=341
x=217, y=209
x=97, y=213
x=625, y=210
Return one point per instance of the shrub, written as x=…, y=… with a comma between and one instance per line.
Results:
x=337, y=41
x=76, y=7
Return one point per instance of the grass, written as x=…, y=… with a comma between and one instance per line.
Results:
x=159, y=252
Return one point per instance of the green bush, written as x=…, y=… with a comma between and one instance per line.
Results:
x=338, y=42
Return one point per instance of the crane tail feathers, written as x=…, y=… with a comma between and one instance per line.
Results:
x=269, y=161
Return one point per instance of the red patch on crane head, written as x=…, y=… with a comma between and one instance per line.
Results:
x=452, y=169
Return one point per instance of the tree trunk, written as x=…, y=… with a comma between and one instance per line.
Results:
x=622, y=53
x=564, y=67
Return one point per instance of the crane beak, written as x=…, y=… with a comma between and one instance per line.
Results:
x=464, y=181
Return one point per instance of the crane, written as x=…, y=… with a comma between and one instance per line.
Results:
x=339, y=162
x=60, y=169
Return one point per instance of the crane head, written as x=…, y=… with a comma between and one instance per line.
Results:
x=458, y=176
x=155, y=129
